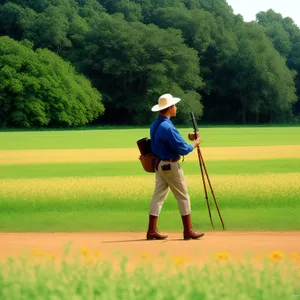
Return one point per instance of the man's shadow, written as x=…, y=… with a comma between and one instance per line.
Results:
x=142, y=240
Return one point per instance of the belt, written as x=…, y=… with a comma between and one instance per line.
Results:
x=171, y=159
x=158, y=160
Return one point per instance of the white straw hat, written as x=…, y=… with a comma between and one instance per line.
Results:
x=165, y=101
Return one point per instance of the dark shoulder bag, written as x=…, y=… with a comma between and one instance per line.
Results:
x=147, y=157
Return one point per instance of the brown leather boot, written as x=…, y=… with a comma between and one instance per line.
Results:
x=188, y=232
x=152, y=232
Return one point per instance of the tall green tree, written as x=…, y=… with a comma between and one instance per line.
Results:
x=132, y=11
x=260, y=78
x=38, y=89
x=10, y=17
x=285, y=35
x=133, y=64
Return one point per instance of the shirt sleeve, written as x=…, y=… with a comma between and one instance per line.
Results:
x=177, y=143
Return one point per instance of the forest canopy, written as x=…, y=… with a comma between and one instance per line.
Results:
x=77, y=62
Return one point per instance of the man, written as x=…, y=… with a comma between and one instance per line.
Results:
x=168, y=145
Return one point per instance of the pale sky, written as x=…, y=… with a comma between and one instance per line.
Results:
x=249, y=8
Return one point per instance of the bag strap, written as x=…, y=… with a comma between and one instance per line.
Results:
x=155, y=129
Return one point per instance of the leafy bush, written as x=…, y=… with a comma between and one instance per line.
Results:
x=38, y=88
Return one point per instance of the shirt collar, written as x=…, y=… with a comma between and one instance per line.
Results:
x=163, y=118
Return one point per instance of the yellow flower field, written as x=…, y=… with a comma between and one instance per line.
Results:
x=133, y=186
x=132, y=154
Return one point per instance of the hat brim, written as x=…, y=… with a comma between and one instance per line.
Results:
x=159, y=108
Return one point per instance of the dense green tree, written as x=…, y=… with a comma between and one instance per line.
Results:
x=90, y=8
x=132, y=11
x=38, y=6
x=10, y=16
x=272, y=21
x=260, y=78
x=134, y=63
x=285, y=35
x=51, y=29
x=220, y=9
x=221, y=48
x=46, y=29
x=38, y=88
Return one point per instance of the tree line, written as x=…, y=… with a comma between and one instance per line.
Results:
x=77, y=62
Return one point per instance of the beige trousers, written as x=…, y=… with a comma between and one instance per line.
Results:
x=173, y=179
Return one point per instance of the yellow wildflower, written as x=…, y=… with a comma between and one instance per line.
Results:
x=276, y=255
x=89, y=260
x=37, y=252
x=222, y=255
x=144, y=255
x=179, y=259
x=97, y=253
x=85, y=251
x=295, y=256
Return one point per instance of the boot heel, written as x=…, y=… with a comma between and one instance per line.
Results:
x=193, y=235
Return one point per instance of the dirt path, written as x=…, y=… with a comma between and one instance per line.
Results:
x=134, y=245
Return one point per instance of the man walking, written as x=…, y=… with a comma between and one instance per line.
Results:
x=168, y=145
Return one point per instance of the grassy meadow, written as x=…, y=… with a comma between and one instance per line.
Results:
x=92, y=180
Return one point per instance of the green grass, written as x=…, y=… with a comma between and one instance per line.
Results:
x=135, y=168
x=89, y=220
x=35, y=277
x=126, y=138
x=252, y=194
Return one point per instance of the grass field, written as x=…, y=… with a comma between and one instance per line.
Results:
x=92, y=180
x=126, y=138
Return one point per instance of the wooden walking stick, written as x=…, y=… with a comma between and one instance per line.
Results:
x=202, y=166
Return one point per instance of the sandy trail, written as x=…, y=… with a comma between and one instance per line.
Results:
x=133, y=244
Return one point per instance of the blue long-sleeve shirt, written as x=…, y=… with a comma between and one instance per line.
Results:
x=167, y=143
